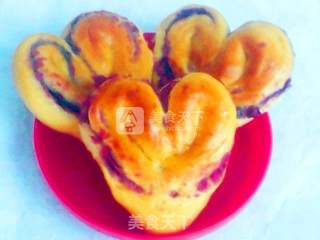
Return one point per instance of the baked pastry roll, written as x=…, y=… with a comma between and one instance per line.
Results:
x=205, y=82
x=176, y=163
x=254, y=62
x=56, y=76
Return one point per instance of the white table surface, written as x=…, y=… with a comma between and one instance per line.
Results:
x=286, y=206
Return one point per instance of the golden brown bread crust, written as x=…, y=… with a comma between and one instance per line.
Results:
x=55, y=77
x=111, y=45
x=188, y=40
x=254, y=62
x=41, y=72
x=173, y=166
x=76, y=84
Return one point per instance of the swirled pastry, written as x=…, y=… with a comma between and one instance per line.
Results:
x=254, y=62
x=177, y=162
x=56, y=76
x=187, y=41
x=203, y=80
x=110, y=45
x=53, y=82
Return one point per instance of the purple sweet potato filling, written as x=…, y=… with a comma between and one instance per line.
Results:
x=116, y=170
x=164, y=71
x=163, y=66
x=277, y=93
x=254, y=110
x=99, y=79
x=96, y=139
x=215, y=176
x=188, y=12
x=69, y=39
x=203, y=185
x=36, y=64
x=174, y=194
x=164, y=93
x=248, y=112
x=133, y=32
x=83, y=115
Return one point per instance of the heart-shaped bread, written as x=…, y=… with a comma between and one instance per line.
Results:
x=179, y=159
x=254, y=62
x=83, y=83
x=177, y=162
x=56, y=76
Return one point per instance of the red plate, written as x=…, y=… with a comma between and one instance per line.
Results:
x=76, y=180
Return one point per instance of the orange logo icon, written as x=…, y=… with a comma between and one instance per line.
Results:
x=130, y=120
